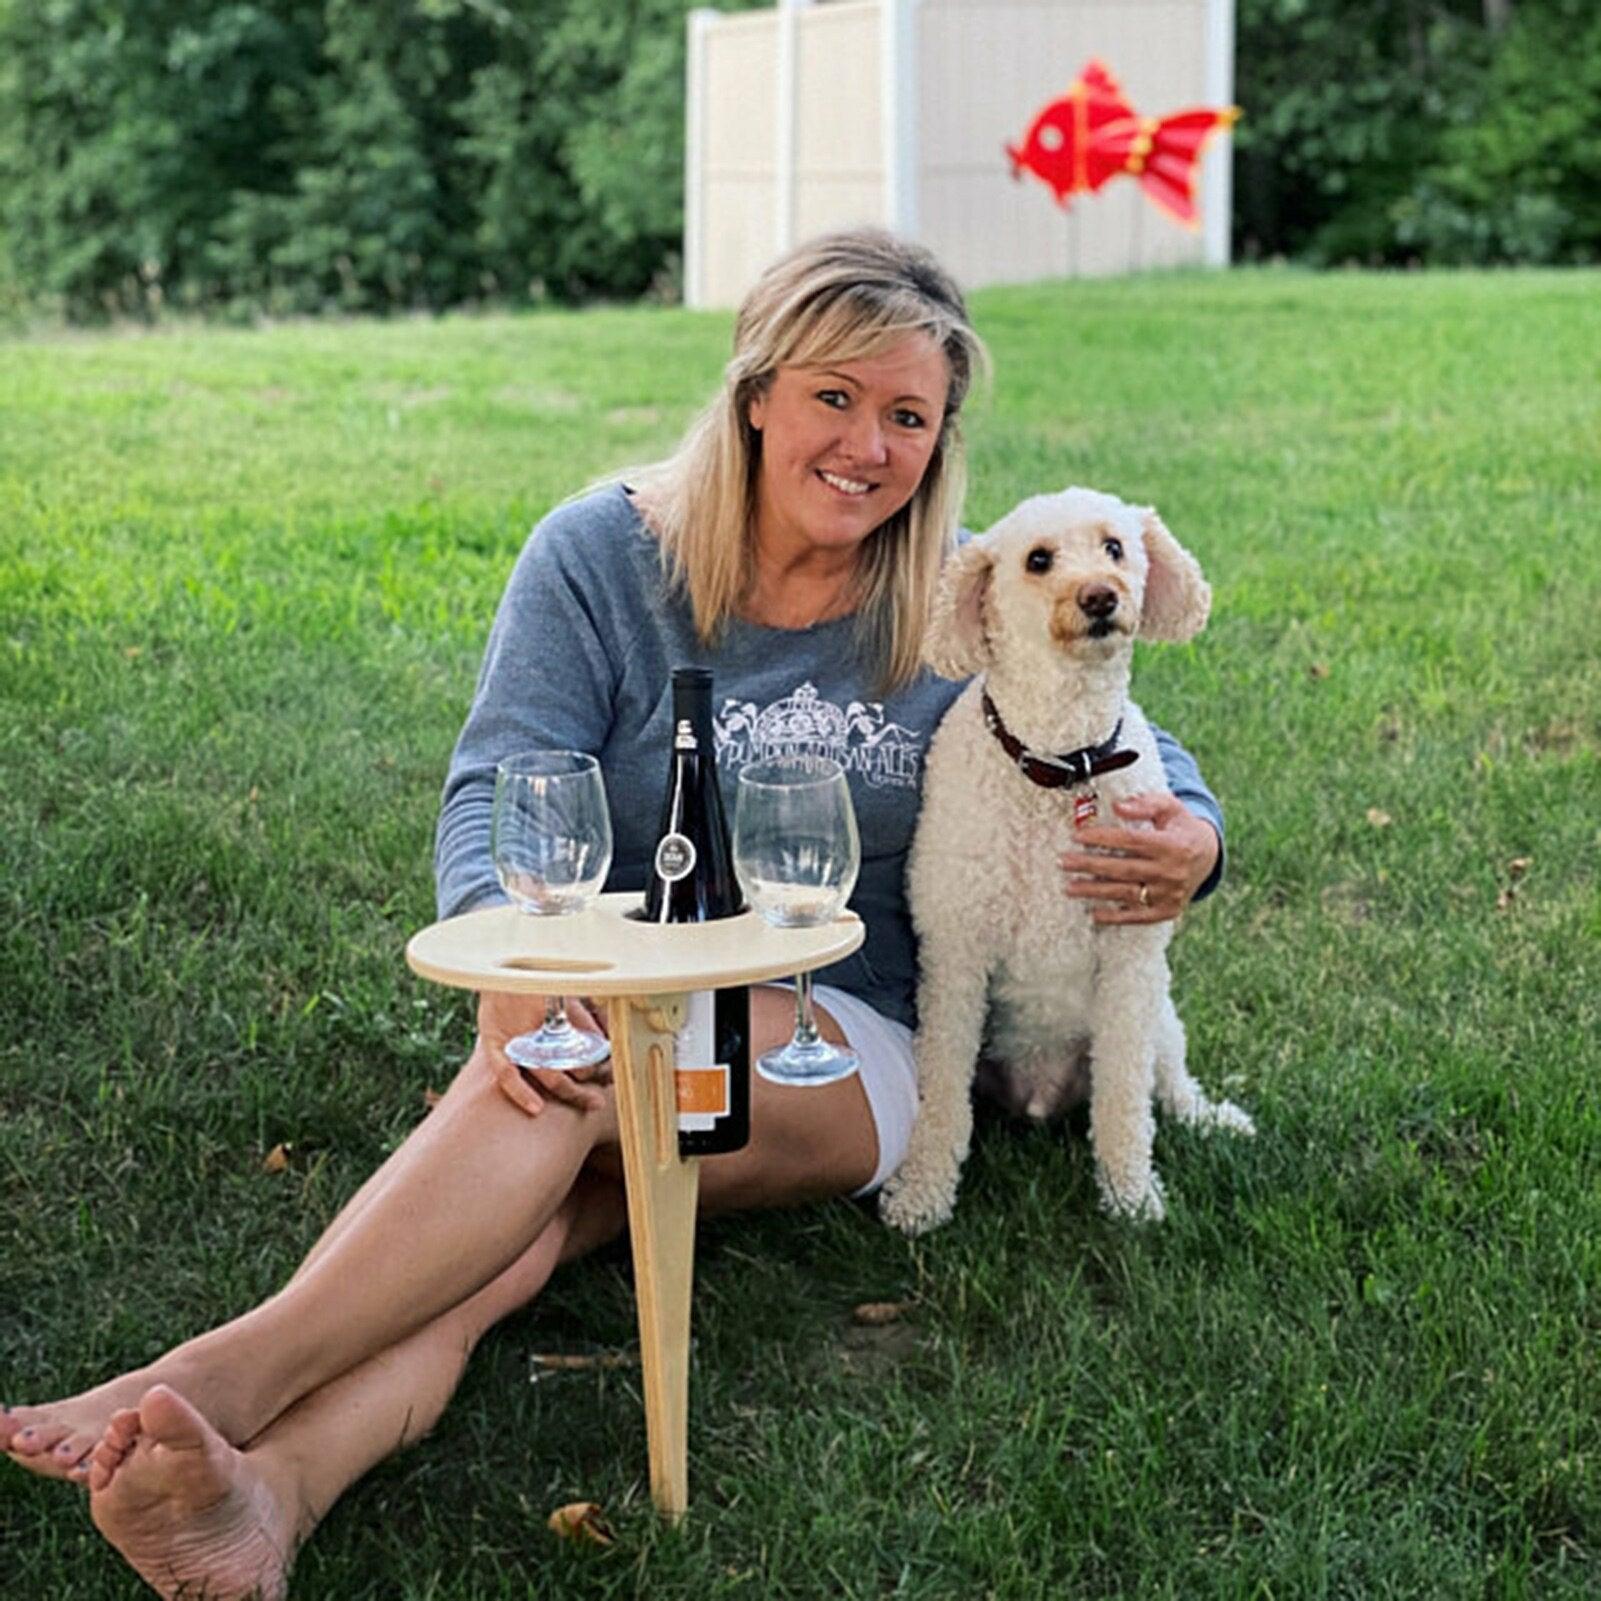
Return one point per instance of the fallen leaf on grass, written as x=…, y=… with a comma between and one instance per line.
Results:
x=1318, y=670
x=581, y=1521
x=875, y=1314
x=874, y=1351
x=1503, y=901
x=1519, y=865
x=1379, y=819
x=276, y=1160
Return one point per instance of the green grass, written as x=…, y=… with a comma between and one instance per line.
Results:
x=244, y=580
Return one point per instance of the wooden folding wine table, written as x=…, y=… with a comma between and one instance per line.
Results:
x=643, y=971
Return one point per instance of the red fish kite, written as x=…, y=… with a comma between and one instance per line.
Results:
x=1092, y=135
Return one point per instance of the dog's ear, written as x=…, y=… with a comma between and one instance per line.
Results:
x=956, y=644
x=1177, y=597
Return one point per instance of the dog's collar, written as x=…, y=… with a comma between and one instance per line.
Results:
x=1072, y=767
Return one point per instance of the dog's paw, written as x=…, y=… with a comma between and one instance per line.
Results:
x=1220, y=1115
x=1132, y=1201
x=914, y=1204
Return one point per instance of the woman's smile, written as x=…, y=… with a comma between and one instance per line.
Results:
x=846, y=486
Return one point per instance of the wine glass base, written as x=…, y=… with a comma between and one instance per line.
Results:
x=558, y=1049
x=808, y=1064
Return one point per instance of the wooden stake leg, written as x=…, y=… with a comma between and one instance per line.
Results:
x=662, y=1191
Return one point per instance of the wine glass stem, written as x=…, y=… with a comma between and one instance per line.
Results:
x=556, y=1014
x=805, y=1027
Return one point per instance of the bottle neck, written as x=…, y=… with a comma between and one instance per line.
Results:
x=692, y=717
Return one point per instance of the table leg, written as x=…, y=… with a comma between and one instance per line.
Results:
x=662, y=1189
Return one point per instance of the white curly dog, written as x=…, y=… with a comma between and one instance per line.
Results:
x=1045, y=607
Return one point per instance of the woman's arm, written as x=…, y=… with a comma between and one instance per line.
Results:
x=547, y=681
x=1184, y=779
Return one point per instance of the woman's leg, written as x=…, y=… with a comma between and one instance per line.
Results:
x=461, y=1199
x=807, y=1142
x=193, y=1515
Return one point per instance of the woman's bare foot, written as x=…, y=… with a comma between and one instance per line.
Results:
x=191, y=1515
x=55, y=1439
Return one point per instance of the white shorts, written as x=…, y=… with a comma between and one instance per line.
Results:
x=888, y=1073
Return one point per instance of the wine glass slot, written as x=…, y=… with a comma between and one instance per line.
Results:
x=553, y=964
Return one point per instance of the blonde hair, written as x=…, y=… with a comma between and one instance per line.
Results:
x=842, y=297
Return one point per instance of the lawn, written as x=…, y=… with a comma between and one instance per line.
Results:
x=244, y=581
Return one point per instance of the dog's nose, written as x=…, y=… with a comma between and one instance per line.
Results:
x=1097, y=600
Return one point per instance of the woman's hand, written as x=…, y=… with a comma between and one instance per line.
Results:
x=502, y=1017
x=1157, y=869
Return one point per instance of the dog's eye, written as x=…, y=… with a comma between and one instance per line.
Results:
x=1039, y=559
x=1114, y=549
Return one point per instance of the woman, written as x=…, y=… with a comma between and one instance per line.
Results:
x=791, y=545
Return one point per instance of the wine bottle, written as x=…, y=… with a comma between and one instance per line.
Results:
x=692, y=881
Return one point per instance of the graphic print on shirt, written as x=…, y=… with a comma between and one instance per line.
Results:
x=859, y=737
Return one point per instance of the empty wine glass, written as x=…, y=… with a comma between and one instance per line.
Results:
x=796, y=854
x=551, y=839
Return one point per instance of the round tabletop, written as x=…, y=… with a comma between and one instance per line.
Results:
x=603, y=951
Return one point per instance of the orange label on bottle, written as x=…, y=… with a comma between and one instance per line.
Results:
x=702, y=1091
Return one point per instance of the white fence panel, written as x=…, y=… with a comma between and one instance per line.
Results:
x=738, y=178
x=839, y=157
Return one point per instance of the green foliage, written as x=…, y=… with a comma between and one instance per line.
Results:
x=1403, y=130
x=296, y=155
x=125, y=131
x=1518, y=178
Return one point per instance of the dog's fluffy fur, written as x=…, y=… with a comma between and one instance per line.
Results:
x=999, y=936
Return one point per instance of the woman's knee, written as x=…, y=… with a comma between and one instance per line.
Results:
x=807, y=1143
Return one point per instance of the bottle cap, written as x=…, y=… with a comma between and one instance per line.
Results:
x=692, y=698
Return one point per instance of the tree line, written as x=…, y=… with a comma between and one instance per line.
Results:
x=1446, y=132
x=288, y=156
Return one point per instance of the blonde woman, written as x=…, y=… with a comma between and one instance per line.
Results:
x=791, y=545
